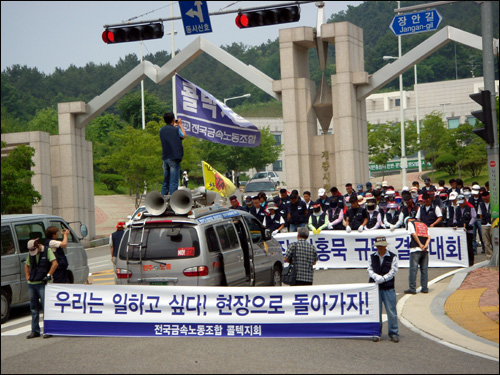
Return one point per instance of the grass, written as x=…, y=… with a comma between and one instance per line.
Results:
x=441, y=175
x=100, y=188
x=268, y=109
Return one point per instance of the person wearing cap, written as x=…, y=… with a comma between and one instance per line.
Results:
x=475, y=200
x=273, y=221
x=427, y=186
x=282, y=209
x=378, y=186
x=369, y=188
x=235, y=205
x=335, y=213
x=258, y=210
x=464, y=217
x=385, y=185
x=414, y=194
x=248, y=203
x=297, y=213
x=317, y=220
x=393, y=218
x=39, y=267
x=374, y=216
x=447, y=210
x=357, y=217
x=359, y=189
x=57, y=247
x=484, y=214
x=115, y=239
x=382, y=269
x=429, y=214
x=419, y=254
x=185, y=179
x=416, y=184
x=408, y=206
x=323, y=199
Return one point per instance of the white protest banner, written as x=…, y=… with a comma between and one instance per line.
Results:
x=339, y=249
x=350, y=310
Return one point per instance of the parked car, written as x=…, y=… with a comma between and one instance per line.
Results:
x=203, y=246
x=255, y=186
x=17, y=230
x=267, y=175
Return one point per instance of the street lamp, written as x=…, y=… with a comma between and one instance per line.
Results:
x=403, y=148
x=237, y=97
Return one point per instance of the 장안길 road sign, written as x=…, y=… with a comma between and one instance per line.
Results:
x=195, y=17
x=413, y=23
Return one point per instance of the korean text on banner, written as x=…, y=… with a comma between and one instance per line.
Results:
x=339, y=249
x=349, y=310
x=215, y=181
x=205, y=117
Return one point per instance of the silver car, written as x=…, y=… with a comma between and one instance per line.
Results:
x=205, y=246
x=17, y=230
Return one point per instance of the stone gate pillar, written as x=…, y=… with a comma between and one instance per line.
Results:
x=72, y=170
x=314, y=161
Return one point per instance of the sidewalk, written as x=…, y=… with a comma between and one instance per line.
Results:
x=460, y=311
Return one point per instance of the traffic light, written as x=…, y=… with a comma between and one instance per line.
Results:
x=265, y=17
x=133, y=33
x=483, y=98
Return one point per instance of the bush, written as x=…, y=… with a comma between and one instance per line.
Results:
x=111, y=180
x=446, y=162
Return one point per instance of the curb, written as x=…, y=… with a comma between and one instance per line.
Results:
x=437, y=310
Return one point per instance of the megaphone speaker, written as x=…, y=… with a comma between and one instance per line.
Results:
x=181, y=201
x=155, y=203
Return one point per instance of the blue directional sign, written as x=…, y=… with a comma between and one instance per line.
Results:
x=413, y=23
x=195, y=17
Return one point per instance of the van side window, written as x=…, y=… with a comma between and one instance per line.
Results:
x=7, y=241
x=26, y=232
x=233, y=237
x=213, y=244
x=62, y=226
x=255, y=229
x=223, y=238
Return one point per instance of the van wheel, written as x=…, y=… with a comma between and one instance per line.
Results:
x=276, y=276
x=5, y=306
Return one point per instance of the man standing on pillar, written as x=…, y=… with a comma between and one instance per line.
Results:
x=171, y=136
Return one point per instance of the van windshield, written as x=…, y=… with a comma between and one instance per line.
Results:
x=178, y=241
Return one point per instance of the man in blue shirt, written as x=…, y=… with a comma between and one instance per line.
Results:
x=171, y=136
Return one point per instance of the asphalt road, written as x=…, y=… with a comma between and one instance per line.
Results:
x=413, y=354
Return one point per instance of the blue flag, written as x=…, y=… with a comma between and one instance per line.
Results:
x=205, y=117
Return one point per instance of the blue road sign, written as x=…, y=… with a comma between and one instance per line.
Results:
x=195, y=17
x=413, y=23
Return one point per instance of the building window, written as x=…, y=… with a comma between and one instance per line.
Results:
x=397, y=102
x=277, y=138
x=471, y=120
x=453, y=122
x=278, y=166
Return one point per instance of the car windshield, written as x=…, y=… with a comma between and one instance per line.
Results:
x=259, y=186
x=260, y=175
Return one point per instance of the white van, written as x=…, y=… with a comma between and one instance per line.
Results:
x=17, y=230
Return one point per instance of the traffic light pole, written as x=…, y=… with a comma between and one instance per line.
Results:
x=489, y=84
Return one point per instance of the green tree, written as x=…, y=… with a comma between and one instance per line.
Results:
x=431, y=136
x=45, y=120
x=137, y=158
x=18, y=193
x=130, y=108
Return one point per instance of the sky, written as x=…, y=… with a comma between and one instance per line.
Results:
x=49, y=34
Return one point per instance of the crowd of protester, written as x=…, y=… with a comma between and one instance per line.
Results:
x=380, y=207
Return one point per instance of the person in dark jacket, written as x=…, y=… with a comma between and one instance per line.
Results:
x=382, y=269
x=171, y=136
x=115, y=239
x=57, y=247
x=39, y=267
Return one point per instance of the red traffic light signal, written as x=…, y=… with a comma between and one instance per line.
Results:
x=265, y=17
x=483, y=98
x=133, y=33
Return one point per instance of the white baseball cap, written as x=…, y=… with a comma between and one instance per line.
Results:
x=453, y=196
x=321, y=192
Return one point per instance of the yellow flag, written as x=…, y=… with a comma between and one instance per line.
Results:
x=215, y=181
